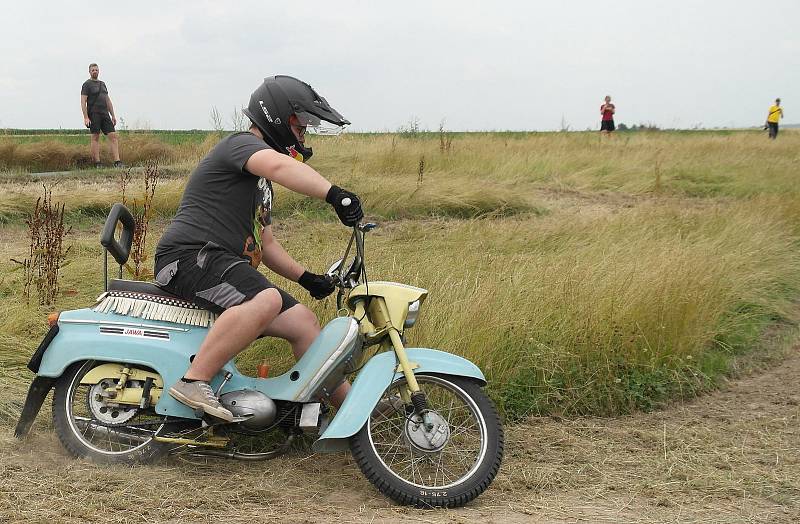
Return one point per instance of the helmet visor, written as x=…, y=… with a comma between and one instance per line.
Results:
x=316, y=125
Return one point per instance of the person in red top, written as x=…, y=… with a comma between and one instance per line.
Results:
x=607, y=122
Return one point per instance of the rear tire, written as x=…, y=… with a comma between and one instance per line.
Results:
x=474, y=451
x=86, y=437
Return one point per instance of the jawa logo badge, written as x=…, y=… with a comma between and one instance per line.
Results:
x=134, y=332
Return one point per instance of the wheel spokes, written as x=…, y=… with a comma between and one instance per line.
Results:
x=453, y=461
x=131, y=431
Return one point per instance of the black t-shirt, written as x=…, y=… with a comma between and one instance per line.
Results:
x=222, y=203
x=96, y=96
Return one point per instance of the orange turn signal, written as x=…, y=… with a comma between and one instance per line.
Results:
x=52, y=318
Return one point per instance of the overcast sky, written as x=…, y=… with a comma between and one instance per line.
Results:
x=497, y=65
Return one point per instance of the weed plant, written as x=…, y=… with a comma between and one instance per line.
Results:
x=46, y=253
x=142, y=211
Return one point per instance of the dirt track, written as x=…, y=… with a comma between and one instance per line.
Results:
x=733, y=456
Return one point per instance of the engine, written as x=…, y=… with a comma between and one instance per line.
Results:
x=259, y=409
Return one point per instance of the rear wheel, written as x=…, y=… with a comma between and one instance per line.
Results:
x=91, y=427
x=446, y=464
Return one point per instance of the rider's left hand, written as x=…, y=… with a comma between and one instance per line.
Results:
x=319, y=286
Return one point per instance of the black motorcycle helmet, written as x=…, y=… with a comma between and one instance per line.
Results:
x=280, y=97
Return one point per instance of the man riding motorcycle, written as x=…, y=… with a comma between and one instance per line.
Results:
x=222, y=231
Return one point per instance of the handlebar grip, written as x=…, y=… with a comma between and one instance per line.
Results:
x=346, y=201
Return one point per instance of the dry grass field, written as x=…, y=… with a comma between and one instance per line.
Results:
x=731, y=456
x=586, y=277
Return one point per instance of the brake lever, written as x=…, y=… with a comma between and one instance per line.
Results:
x=334, y=279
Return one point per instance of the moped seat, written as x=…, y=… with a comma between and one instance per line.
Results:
x=148, y=301
x=135, y=286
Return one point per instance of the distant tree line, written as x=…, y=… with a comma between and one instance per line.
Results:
x=640, y=127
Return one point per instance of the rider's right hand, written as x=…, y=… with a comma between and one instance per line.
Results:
x=318, y=286
x=346, y=204
x=87, y=122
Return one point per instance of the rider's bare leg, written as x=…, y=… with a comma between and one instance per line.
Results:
x=233, y=331
x=338, y=396
x=299, y=326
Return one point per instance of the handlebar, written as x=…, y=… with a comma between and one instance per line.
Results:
x=348, y=277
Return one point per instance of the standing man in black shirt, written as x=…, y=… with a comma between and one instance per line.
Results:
x=98, y=115
x=222, y=232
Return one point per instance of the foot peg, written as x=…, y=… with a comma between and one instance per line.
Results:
x=209, y=420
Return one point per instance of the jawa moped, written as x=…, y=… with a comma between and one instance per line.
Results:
x=416, y=419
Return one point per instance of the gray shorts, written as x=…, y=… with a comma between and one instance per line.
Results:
x=214, y=278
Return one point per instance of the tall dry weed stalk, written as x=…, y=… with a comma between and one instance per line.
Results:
x=445, y=140
x=124, y=180
x=142, y=212
x=657, y=171
x=238, y=121
x=216, y=120
x=412, y=129
x=46, y=255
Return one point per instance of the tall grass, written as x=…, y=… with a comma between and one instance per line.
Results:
x=555, y=262
x=609, y=315
x=489, y=175
x=738, y=164
x=596, y=314
x=741, y=163
x=391, y=199
x=58, y=154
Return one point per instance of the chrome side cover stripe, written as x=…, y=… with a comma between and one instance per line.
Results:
x=129, y=324
x=312, y=384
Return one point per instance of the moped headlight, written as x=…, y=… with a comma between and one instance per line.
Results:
x=413, y=313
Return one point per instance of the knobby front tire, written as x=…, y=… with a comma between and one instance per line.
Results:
x=453, y=474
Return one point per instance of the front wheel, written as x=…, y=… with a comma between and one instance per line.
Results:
x=446, y=464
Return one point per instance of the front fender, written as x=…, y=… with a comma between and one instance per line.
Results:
x=373, y=380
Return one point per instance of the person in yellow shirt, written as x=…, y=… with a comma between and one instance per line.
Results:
x=775, y=114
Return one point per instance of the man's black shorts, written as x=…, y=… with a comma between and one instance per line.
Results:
x=214, y=279
x=101, y=122
x=606, y=125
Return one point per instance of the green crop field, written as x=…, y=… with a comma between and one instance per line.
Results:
x=584, y=276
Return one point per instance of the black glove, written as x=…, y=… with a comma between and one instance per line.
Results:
x=349, y=214
x=319, y=286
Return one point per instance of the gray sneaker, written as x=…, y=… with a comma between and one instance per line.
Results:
x=199, y=395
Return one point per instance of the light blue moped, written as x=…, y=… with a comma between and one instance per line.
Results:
x=416, y=419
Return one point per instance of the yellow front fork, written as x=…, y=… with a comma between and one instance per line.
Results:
x=405, y=366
